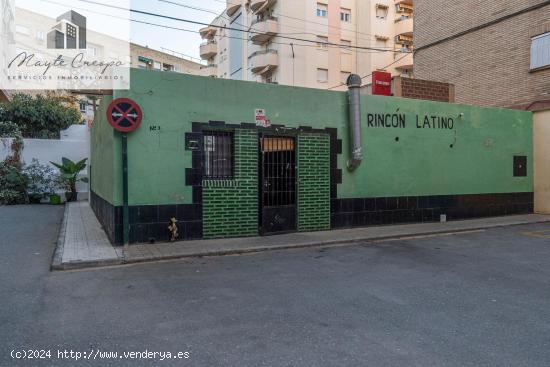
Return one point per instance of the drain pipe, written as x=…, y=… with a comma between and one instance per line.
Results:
x=354, y=95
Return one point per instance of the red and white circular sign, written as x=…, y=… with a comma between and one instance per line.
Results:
x=124, y=115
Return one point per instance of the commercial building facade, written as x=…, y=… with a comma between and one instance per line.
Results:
x=221, y=171
x=497, y=56
x=309, y=43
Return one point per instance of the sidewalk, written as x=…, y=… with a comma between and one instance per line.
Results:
x=83, y=243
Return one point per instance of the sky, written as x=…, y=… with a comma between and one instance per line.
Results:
x=186, y=43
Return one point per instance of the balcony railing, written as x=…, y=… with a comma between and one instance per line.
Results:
x=208, y=32
x=210, y=70
x=263, y=61
x=232, y=7
x=404, y=25
x=262, y=30
x=260, y=5
x=404, y=63
x=208, y=50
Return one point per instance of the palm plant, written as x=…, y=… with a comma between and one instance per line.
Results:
x=69, y=175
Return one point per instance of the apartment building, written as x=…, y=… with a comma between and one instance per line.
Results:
x=309, y=43
x=143, y=57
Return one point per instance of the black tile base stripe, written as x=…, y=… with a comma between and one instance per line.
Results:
x=107, y=215
x=148, y=222
x=359, y=212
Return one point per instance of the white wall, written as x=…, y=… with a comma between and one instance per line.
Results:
x=74, y=144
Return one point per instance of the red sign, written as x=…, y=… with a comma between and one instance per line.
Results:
x=381, y=83
x=124, y=115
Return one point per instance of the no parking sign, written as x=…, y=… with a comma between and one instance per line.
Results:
x=124, y=115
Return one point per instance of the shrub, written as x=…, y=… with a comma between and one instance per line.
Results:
x=42, y=180
x=40, y=116
x=13, y=184
x=9, y=129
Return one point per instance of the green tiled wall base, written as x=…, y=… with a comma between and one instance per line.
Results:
x=230, y=208
x=313, y=182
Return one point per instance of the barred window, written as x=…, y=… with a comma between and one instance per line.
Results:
x=218, y=155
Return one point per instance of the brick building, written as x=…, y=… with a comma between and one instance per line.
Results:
x=494, y=52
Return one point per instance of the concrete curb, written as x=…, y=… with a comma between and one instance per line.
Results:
x=123, y=260
x=57, y=260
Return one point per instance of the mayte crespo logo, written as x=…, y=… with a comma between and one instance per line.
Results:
x=69, y=32
x=60, y=48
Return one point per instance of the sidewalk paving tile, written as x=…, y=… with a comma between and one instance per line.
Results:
x=83, y=243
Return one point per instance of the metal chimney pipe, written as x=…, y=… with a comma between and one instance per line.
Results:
x=354, y=96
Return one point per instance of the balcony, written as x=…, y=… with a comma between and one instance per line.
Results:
x=404, y=39
x=210, y=70
x=263, y=30
x=262, y=62
x=406, y=63
x=258, y=6
x=404, y=25
x=404, y=6
x=208, y=32
x=208, y=50
x=232, y=7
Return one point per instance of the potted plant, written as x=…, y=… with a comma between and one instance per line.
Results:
x=69, y=172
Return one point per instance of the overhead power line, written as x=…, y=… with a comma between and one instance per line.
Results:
x=231, y=28
x=485, y=25
x=366, y=76
x=311, y=22
x=227, y=18
x=180, y=29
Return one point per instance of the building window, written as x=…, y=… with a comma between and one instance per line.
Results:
x=40, y=36
x=344, y=75
x=168, y=67
x=540, y=51
x=157, y=65
x=322, y=10
x=322, y=75
x=322, y=42
x=218, y=155
x=83, y=106
x=345, y=15
x=346, y=46
x=92, y=51
x=382, y=11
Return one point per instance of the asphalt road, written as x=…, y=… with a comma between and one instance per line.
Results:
x=477, y=299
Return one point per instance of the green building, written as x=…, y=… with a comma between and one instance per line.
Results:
x=200, y=157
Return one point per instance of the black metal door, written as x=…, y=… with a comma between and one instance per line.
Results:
x=278, y=184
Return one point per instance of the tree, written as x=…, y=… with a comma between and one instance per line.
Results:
x=42, y=116
x=13, y=183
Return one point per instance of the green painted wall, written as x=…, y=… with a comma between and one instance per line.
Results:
x=102, y=161
x=230, y=207
x=420, y=163
x=313, y=182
